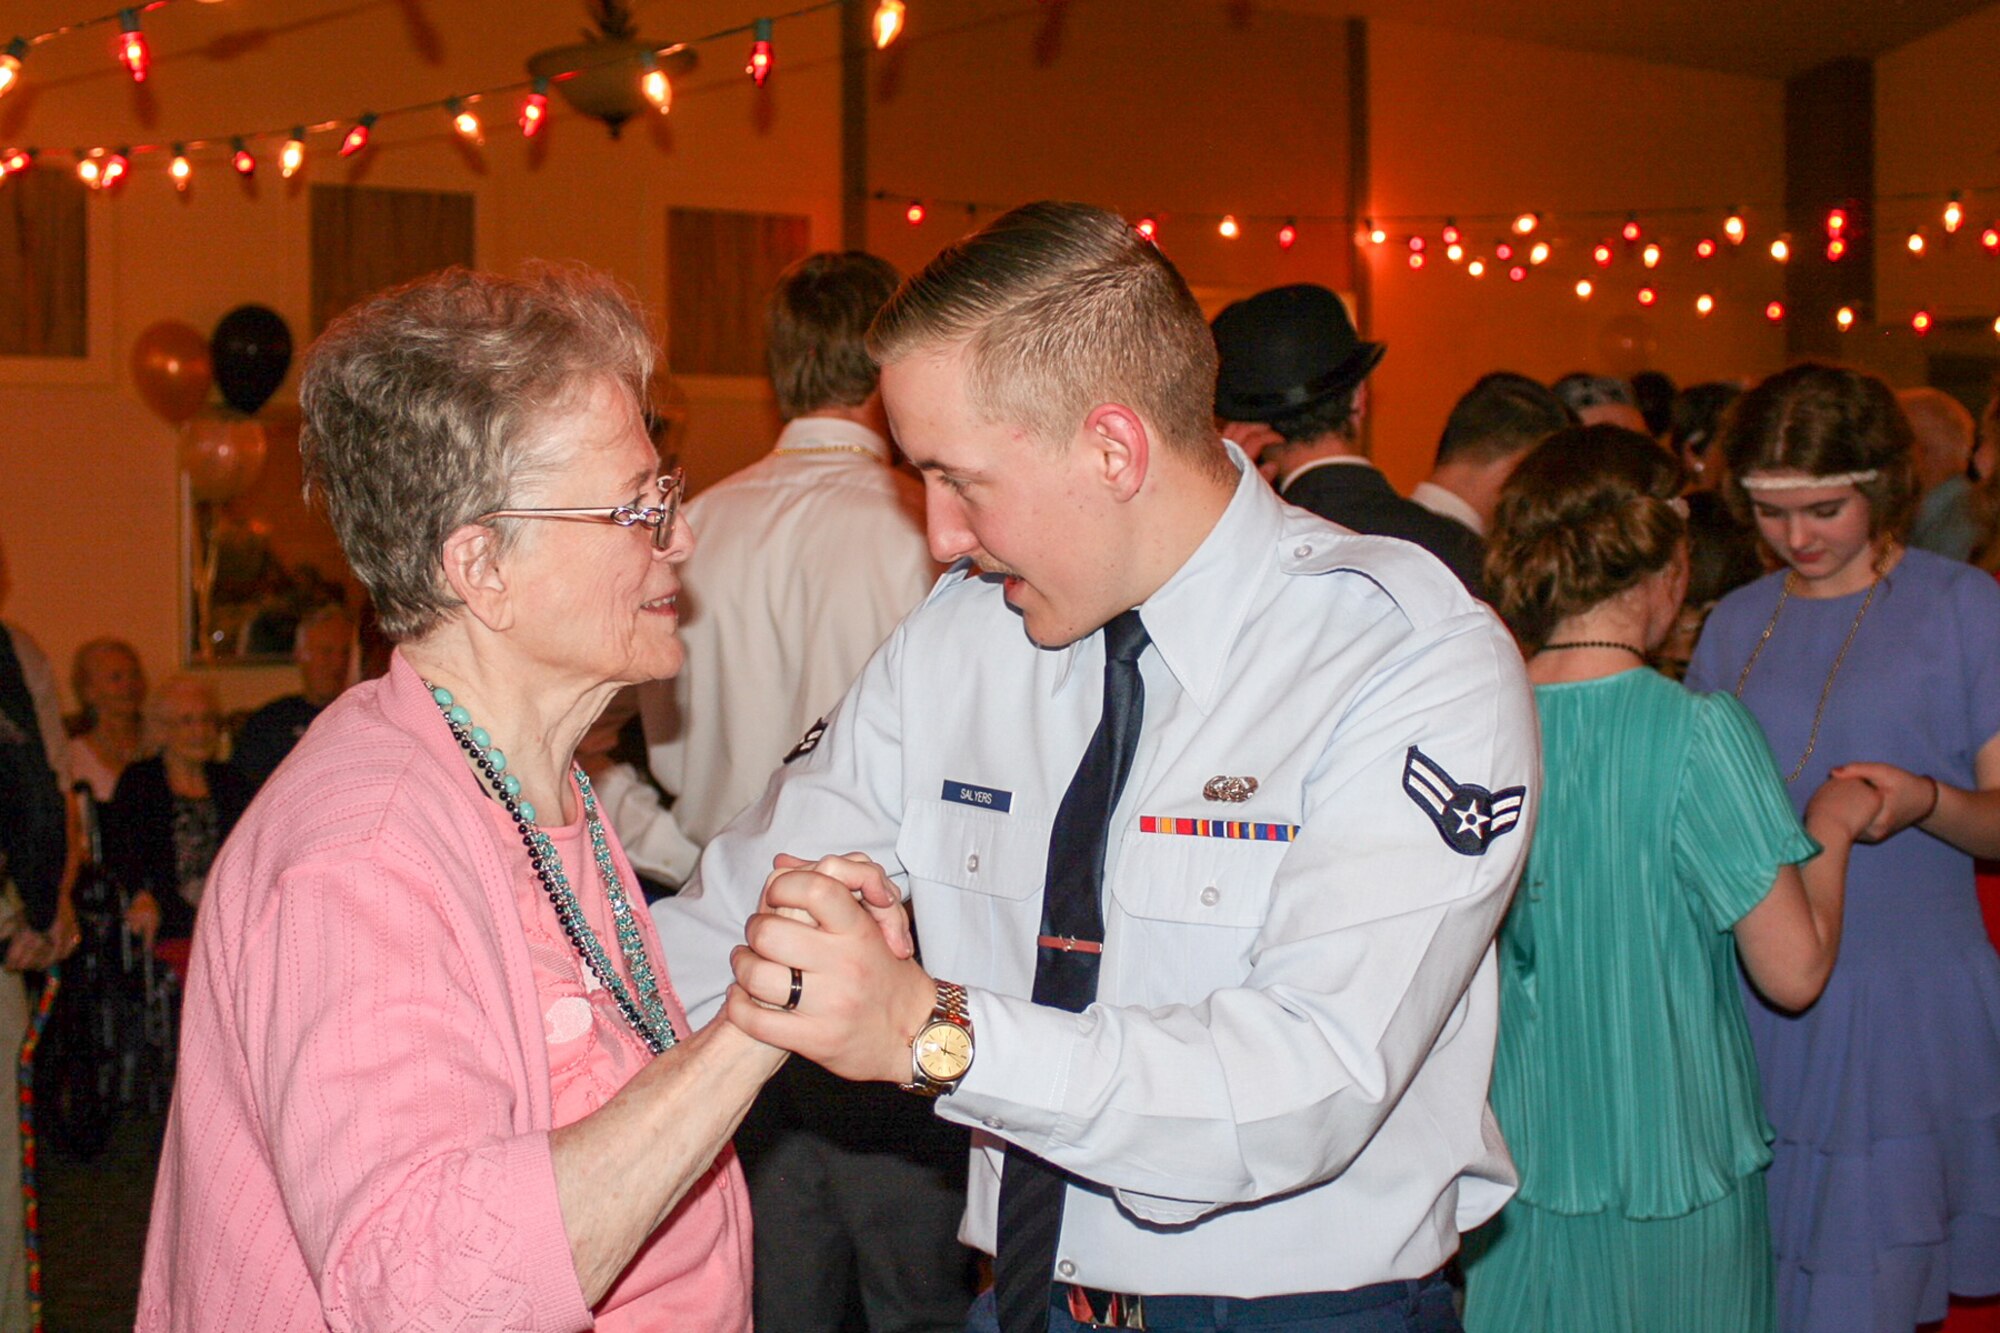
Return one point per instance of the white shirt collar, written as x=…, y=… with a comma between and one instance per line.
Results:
x=1440, y=500
x=1195, y=617
x=835, y=435
x=1304, y=468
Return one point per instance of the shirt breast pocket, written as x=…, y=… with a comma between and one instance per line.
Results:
x=1188, y=914
x=975, y=881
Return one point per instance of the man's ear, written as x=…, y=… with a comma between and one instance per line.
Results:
x=477, y=576
x=1121, y=448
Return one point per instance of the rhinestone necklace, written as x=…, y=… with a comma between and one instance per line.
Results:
x=647, y=1015
x=1826, y=690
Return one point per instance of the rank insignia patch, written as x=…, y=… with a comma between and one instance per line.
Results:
x=1232, y=790
x=808, y=742
x=1467, y=816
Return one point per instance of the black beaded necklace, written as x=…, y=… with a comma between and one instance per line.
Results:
x=647, y=1014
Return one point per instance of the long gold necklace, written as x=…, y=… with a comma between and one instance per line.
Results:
x=1826, y=690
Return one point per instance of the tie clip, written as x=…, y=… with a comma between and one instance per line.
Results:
x=1069, y=944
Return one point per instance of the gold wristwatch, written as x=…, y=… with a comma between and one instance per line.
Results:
x=941, y=1051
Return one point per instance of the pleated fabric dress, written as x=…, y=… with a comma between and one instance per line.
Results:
x=1885, y=1191
x=1624, y=1079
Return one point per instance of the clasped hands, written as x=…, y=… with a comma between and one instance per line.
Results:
x=862, y=995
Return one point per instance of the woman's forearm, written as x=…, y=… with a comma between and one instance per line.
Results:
x=1968, y=820
x=621, y=1169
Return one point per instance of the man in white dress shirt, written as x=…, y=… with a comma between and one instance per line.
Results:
x=808, y=557
x=1319, y=790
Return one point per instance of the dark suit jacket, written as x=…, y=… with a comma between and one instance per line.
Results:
x=139, y=834
x=1358, y=496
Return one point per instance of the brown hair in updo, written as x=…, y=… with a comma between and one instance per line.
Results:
x=1589, y=513
x=1825, y=420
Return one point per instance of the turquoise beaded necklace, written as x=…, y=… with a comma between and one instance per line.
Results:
x=647, y=1015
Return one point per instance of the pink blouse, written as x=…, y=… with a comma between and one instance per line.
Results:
x=383, y=1023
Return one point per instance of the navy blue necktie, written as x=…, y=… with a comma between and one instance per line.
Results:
x=1031, y=1190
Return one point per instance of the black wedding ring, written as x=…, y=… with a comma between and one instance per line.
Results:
x=798, y=989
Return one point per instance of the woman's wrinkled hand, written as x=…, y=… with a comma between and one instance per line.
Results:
x=871, y=888
x=142, y=917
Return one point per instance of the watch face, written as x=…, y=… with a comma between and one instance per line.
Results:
x=944, y=1051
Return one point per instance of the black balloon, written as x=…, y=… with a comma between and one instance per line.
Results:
x=251, y=351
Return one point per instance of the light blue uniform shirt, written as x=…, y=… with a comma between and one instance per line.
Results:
x=1282, y=1084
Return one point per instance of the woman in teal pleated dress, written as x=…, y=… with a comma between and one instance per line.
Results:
x=1666, y=851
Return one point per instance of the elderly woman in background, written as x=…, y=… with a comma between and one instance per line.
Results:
x=170, y=814
x=432, y=1071
x=110, y=686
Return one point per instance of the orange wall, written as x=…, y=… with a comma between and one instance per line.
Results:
x=1184, y=111
x=1471, y=125
x=89, y=504
x=1936, y=123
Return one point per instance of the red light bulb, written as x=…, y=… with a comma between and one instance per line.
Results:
x=1503, y=251
x=240, y=158
x=1288, y=236
x=1632, y=231
x=1602, y=254
x=762, y=57
x=133, y=52
x=1518, y=273
x=1836, y=221
x=535, y=109
x=357, y=138
x=915, y=213
x=1647, y=296
x=1775, y=312
x=1451, y=234
x=1148, y=229
x=1921, y=322
x=1704, y=248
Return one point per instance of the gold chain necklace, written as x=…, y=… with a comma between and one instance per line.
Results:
x=1826, y=690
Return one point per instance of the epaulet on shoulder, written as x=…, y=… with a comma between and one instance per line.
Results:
x=951, y=578
x=1415, y=580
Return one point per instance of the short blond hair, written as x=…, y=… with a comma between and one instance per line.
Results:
x=1060, y=307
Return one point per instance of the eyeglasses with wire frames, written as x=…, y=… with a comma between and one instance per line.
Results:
x=660, y=518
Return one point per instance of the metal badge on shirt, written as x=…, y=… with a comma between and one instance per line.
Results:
x=1467, y=816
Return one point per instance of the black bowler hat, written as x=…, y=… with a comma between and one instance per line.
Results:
x=1287, y=350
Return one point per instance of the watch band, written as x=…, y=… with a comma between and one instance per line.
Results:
x=949, y=1008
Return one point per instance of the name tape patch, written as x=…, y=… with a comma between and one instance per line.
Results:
x=984, y=798
x=1218, y=828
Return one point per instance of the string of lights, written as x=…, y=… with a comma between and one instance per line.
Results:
x=1527, y=241
x=131, y=48
x=106, y=168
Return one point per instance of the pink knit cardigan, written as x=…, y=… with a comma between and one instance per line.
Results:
x=359, y=1137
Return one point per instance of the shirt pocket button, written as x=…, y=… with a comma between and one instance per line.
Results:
x=972, y=863
x=1210, y=896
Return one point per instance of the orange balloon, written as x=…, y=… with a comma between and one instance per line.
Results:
x=222, y=455
x=171, y=368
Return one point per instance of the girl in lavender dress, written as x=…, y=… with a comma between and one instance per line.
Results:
x=1863, y=658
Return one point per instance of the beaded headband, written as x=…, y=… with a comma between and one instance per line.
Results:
x=1756, y=482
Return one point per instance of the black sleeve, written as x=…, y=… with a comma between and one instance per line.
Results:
x=260, y=747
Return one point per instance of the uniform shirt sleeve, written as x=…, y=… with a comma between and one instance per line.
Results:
x=1374, y=930
x=383, y=1080
x=1734, y=824
x=841, y=792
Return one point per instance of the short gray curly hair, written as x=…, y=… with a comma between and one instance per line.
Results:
x=420, y=408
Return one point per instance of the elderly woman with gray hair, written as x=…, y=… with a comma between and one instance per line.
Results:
x=433, y=1074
